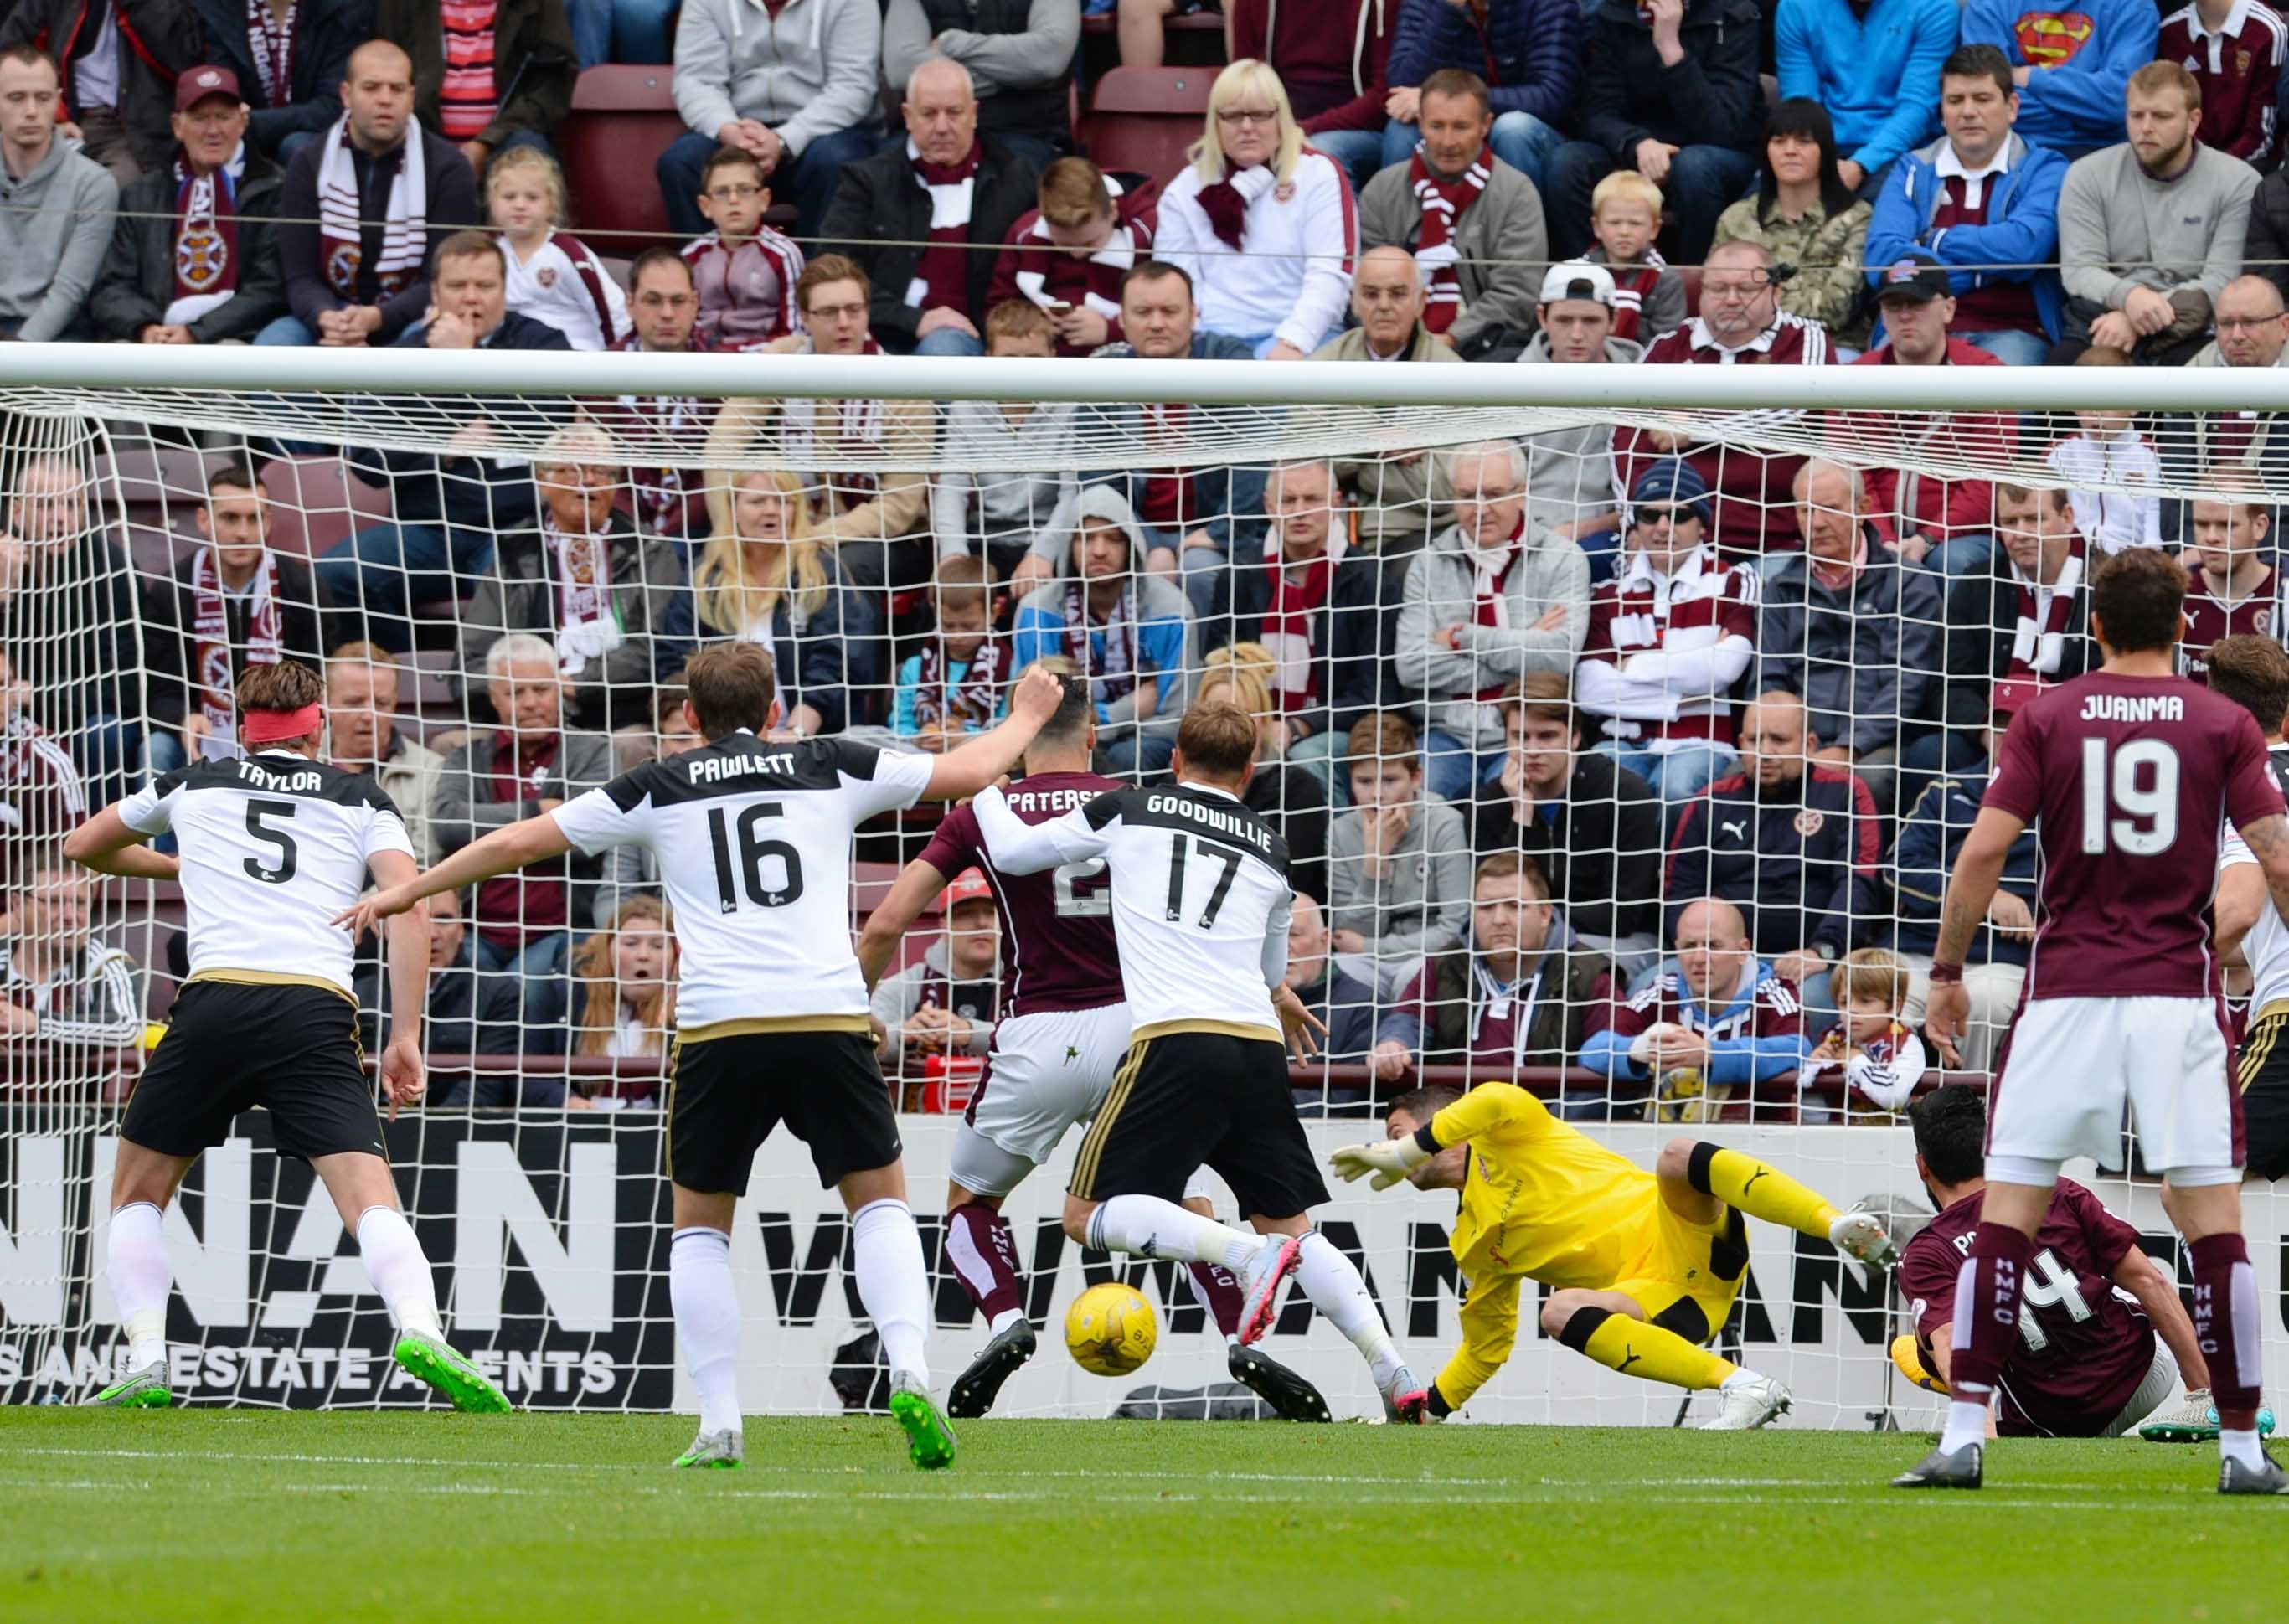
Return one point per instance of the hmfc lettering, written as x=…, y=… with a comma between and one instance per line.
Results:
x=1230, y=824
x=714, y=770
x=2127, y=707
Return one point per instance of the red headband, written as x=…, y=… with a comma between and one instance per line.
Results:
x=269, y=727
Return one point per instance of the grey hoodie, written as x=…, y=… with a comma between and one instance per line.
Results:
x=1570, y=472
x=805, y=73
x=55, y=228
x=1422, y=902
x=1167, y=641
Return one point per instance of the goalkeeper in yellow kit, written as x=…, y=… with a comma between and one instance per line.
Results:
x=1646, y=1265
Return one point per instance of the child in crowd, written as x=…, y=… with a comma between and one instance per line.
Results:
x=552, y=275
x=1648, y=297
x=1398, y=863
x=954, y=687
x=1880, y=1056
x=1020, y=519
x=745, y=271
x=2111, y=451
x=624, y=1002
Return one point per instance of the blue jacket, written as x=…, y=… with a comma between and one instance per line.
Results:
x=1876, y=74
x=2076, y=106
x=1925, y=855
x=1533, y=46
x=1734, y=1063
x=2022, y=229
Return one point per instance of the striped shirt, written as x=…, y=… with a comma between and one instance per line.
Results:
x=92, y=1000
x=469, y=100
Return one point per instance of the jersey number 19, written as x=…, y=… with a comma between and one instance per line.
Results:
x=2108, y=787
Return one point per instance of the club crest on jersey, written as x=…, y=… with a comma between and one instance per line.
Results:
x=546, y=276
x=1284, y=192
x=1809, y=822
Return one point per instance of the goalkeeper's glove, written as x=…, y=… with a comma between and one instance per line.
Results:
x=1389, y=1160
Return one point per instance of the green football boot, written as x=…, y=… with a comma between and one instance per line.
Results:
x=139, y=1389
x=453, y=1376
x=930, y=1441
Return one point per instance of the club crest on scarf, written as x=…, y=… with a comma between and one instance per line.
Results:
x=202, y=258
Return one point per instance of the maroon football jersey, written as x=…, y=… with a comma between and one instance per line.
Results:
x=1057, y=926
x=2133, y=779
x=2083, y=1348
x=2209, y=618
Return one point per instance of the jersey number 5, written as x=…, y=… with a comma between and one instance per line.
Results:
x=289, y=853
x=1176, y=860
x=747, y=874
x=2111, y=787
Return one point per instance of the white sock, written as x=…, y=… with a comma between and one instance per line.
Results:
x=393, y=1262
x=886, y=1250
x=1149, y=1227
x=1333, y=1284
x=1003, y=1320
x=706, y=1306
x=2242, y=1446
x=1967, y=1423
x=136, y=1249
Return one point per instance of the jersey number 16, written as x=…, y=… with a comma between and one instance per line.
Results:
x=745, y=877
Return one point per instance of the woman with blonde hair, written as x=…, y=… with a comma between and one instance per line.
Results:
x=764, y=576
x=1290, y=798
x=624, y=1000
x=1261, y=222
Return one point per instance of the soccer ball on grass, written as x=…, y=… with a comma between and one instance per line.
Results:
x=1110, y=1329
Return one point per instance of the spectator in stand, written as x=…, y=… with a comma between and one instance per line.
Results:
x=1530, y=52
x=795, y=87
x=766, y=577
x=532, y=764
x=669, y=496
x=2151, y=230
x=467, y=1014
x=588, y=580
x=1670, y=639
x=2105, y=463
x=363, y=208
x=1316, y=604
x=630, y=31
x=2267, y=250
x=448, y=509
x=623, y=997
x=1985, y=205
x=1488, y=600
x=552, y=275
x=1292, y=799
x=1948, y=524
x=923, y=220
x=1192, y=518
x=363, y=695
x=1570, y=475
x=43, y=797
x=1332, y=57
x=952, y=687
x=1719, y=1022
x=1068, y=253
x=1871, y=1056
x=232, y=603
x=1342, y=1002
x=1398, y=862
x=946, y=1002
x=1851, y=629
x=1793, y=842
x=1588, y=825
x=195, y=253
x=290, y=58
x=2072, y=67
x=1018, y=521
x=1396, y=497
x=2251, y=332
x=1741, y=323
x=1260, y=223
x=488, y=75
x=60, y=987
x=1394, y=315
x=1018, y=54
x=745, y=271
x=1874, y=68
x=1931, y=840
x=2234, y=49
x=1804, y=214
x=117, y=62
x=2237, y=588
x=1472, y=221
x=1625, y=217
x=56, y=208
x=1126, y=629
x=1669, y=90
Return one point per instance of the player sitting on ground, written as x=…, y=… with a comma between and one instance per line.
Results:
x=1063, y=1032
x=2103, y=1337
x=1646, y=1264
x=273, y=847
x=752, y=837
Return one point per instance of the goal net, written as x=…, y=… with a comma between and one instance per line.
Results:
x=1540, y=661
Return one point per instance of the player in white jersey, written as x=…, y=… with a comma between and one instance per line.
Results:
x=2254, y=672
x=273, y=847
x=1200, y=907
x=753, y=839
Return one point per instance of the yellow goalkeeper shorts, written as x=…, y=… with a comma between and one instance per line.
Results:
x=1685, y=1275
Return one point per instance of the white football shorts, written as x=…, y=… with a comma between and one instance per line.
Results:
x=2073, y=1063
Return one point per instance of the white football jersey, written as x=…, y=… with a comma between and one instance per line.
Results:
x=752, y=842
x=1200, y=899
x=273, y=847
x=2266, y=947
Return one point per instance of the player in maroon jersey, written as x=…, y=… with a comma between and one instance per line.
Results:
x=2235, y=587
x=1063, y=1032
x=2132, y=772
x=2102, y=1338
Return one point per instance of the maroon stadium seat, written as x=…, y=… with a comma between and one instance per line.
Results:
x=622, y=118
x=1143, y=119
x=314, y=505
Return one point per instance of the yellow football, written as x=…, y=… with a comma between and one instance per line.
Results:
x=1110, y=1329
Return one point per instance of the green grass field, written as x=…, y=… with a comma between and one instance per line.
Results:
x=324, y=1517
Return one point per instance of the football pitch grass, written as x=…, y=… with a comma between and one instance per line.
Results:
x=325, y=1518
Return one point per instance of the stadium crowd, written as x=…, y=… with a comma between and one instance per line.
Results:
x=1625, y=752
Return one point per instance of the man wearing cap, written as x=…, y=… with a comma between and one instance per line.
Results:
x=1669, y=638
x=1943, y=523
x=1570, y=478
x=194, y=255
x=946, y=1002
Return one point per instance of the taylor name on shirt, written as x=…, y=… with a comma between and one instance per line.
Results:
x=263, y=777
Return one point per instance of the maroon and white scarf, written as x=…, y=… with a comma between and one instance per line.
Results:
x=2038, y=642
x=1444, y=203
x=206, y=242
x=405, y=215
x=1489, y=603
x=1291, y=622
x=1226, y=202
x=584, y=574
x=1115, y=671
x=971, y=699
x=210, y=651
x=942, y=277
x=857, y=426
x=270, y=42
